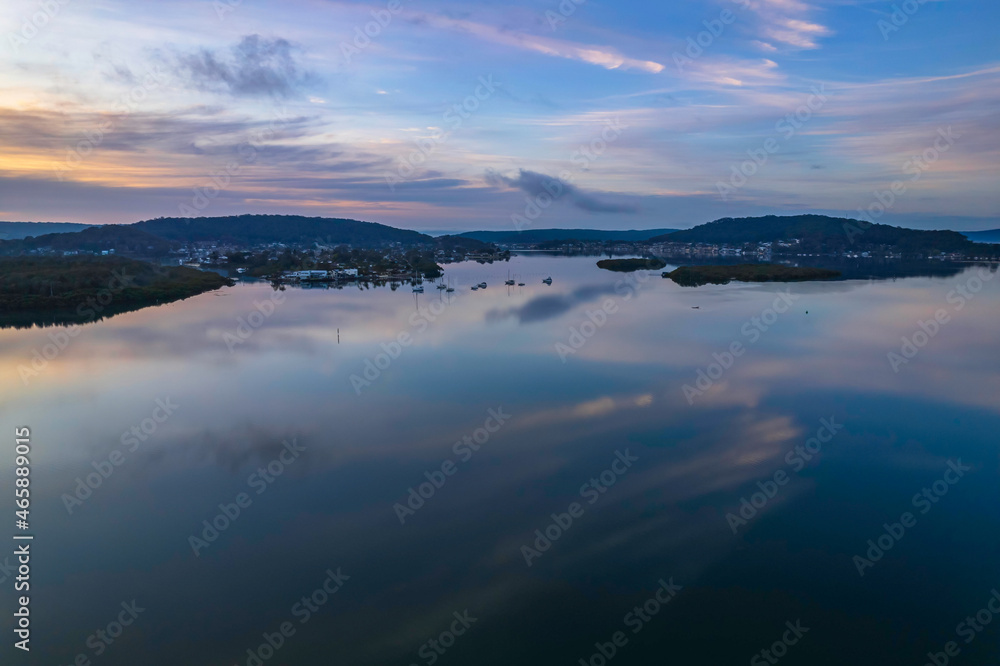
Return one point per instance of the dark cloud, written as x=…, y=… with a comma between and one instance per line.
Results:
x=255, y=67
x=538, y=184
x=547, y=307
x=197, y=131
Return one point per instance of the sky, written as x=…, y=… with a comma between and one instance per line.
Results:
x=446, y=116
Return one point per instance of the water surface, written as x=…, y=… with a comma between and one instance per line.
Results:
x=578, y=394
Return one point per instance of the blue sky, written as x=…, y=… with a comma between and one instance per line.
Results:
x=466, y=115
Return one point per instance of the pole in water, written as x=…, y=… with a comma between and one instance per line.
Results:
x=338, y=336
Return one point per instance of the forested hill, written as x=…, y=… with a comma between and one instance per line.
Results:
x=85, y=288
x=15, y=230
x=819, y=231
x=158, y=237
x=260, y=229
x=122, y=238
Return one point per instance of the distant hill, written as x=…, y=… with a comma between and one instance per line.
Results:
x=257, y=229
x=544, y=235
x=124, y=239
x=15, y=230
x=983, y=236
x=461, y=243
x=818, y=231
x=156, y=238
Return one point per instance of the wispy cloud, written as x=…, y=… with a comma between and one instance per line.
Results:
x=346, y=126
x=787, y=22
x=603, y=56
x=727, y=71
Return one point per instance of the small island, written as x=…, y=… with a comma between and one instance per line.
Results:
x=694, y=276
x=631, y=265
x=78, y=289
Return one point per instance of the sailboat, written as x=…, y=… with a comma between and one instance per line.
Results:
x=547, y=280
x=509, y=282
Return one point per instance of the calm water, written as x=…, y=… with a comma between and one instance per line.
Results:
x=691, y=459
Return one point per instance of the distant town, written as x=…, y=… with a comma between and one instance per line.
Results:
x=760, y=251
x=283, y=263
x=296, y=249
